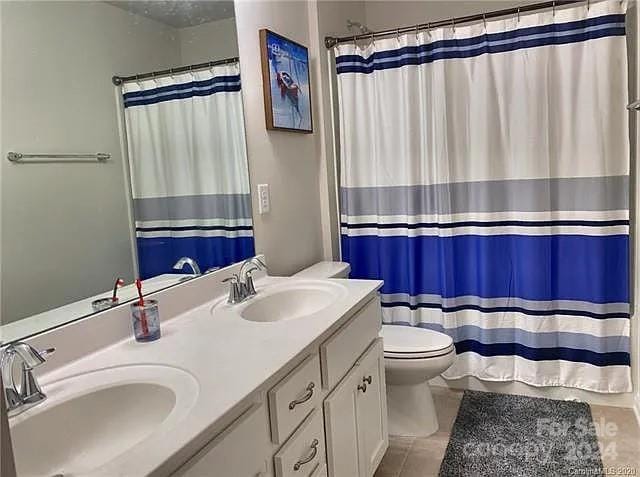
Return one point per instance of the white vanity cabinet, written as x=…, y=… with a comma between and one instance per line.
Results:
x=241, y=450
x=356, y=418
x=326, y=417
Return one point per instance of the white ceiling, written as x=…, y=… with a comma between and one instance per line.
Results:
x=179, y=13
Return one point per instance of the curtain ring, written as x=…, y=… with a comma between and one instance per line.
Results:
x=417, y=32
x=398, y=35
x=553, y=7
x=518, y=22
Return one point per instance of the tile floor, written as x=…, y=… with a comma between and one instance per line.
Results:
x=619, y=437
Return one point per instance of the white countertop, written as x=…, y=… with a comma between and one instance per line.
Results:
x=230, y=358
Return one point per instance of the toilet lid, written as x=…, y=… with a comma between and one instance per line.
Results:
x=408, y=342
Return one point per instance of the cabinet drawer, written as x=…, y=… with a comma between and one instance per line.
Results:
x=304, y=451
x=241, y=450
x=341, y=350
x=293, y=398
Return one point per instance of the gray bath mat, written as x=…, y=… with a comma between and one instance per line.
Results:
x=506, y=435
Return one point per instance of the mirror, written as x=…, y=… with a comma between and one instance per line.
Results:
x=123, y=151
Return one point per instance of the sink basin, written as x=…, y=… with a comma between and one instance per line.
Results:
x=290, y=301
x=89, y=420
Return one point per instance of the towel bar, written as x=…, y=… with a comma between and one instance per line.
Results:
x=19, y=157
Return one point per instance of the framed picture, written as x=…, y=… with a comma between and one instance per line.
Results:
x=285, y=80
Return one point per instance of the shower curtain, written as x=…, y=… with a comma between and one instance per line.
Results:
x=485, y=178
x=188, y=166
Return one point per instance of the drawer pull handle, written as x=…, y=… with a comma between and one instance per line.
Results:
x=362, y=387
x=309, y=458
x=304, y=398
x=367, y=380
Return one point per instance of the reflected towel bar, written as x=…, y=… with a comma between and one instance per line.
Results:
x=635, y=106
x=19, y=157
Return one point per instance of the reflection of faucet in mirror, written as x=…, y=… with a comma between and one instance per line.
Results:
x=179, y=265
x=29, y=394
x=105, y=303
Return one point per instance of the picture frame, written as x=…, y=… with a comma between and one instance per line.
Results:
x=286, y=83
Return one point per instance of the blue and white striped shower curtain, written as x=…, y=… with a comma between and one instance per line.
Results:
x=485, y=179
x=188, y=163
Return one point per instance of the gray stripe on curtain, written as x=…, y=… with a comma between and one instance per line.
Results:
x=507, y=302
x=521, y=195
x=212, y=206
x=554, y=339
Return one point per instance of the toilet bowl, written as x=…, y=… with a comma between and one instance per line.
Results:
x=413, y=356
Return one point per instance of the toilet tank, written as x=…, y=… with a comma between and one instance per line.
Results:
x=325, y=270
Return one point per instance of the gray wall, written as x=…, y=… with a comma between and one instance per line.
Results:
x=290, y=234
x=208, y=41
x=382, y=15
x=65, y=226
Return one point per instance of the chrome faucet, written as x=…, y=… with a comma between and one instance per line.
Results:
x=179, y=265
x=29, y=394
x=241, y=284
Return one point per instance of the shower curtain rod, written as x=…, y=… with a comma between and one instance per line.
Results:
x=331, y=41
x=118, y=80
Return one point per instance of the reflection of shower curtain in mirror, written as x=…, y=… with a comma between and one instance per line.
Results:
x=189, y=175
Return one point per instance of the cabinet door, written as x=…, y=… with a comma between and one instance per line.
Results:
x=371, y=409
x=341, y=429
x=356, y=418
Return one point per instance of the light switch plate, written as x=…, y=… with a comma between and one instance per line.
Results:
x=264, y=203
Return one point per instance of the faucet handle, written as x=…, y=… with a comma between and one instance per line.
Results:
x=31, y=357
x=234, y=290
x=46, y=352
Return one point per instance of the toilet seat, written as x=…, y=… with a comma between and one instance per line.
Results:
x=409, y=342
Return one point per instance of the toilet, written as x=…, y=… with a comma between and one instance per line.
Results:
x=412, y=356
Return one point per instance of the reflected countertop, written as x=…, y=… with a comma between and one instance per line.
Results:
x=28, y=326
